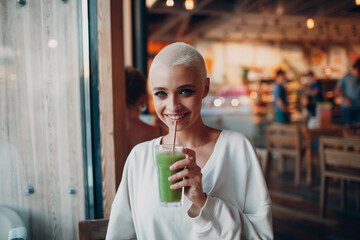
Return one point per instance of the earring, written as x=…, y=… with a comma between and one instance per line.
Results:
x=142, y=107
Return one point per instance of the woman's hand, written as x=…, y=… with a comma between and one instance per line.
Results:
x=191, y=178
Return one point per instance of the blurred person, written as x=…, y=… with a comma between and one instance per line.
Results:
x=225, y=193
x=280, y=101
x=313, y=93
x=348, y=88
x=136, y=98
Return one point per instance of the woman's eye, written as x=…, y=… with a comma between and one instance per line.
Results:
x=186, y=91
x=160, y=94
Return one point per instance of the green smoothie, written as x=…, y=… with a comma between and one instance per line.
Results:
x=164, y=160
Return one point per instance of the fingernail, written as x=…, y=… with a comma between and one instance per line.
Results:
x=172, y=186
x=171, y=167
x=170, y=178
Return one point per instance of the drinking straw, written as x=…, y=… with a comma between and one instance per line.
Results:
x=174, y=137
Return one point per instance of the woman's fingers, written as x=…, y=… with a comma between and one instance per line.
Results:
x=188, y=172
x=180, y=175
x=190, y=154
x=187, y=162
x=192, y=182
x=180, y=164
x=183, y=183
x=189, y=176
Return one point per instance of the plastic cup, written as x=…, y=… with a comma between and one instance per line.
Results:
x=165, y=157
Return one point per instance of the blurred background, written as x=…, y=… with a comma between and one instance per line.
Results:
x=63, y=113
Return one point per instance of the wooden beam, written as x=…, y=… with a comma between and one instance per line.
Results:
x=215, y=22
x=303, y=5
x=168, y=11
x=183, y=27
x=106, y=105
x=111, y=97
x=242, y=4
x=291, y=5
x=185, y=17
x=336, y=7
x=206, y=25
x=118, y=91
x=128, y=54
x=185, y=23
x=247, y=6
x=170, y=22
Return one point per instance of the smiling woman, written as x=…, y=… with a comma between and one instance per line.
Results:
x=226, y=195
x=177, y=96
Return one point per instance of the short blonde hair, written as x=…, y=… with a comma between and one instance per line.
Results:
x=180, y=54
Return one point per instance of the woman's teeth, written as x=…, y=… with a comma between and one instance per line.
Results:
x=177, y=117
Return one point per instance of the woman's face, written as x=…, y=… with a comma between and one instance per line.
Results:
x=177, y=95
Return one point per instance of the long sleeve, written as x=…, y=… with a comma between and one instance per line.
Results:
x=121, y=224
x=230, y=216
x=219, y=220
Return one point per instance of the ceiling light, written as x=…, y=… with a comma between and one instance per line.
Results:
x=357, y=2
x=189, y=4
x=310, y=23
x=170, y=3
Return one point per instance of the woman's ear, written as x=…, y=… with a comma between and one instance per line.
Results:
x=206, y=87
x=142, y=102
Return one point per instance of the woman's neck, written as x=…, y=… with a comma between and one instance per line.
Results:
x=193, y=137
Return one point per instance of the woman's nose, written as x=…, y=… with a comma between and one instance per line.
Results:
x=173, y=104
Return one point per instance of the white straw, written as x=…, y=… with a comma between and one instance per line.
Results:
x=174, y=136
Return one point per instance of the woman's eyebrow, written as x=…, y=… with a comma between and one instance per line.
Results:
x=186, y=86
x=158, y=88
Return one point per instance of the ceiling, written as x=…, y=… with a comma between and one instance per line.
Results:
x=263, y=20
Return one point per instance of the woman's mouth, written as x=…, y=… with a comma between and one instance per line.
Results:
x=177, y=117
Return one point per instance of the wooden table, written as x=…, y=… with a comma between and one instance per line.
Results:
x=332, y=130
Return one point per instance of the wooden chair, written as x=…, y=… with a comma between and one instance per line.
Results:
x=284, y=139
x=93, y=229
x=339, y=158
x=352, y=132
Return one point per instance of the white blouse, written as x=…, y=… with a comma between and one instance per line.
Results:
x=238, y=205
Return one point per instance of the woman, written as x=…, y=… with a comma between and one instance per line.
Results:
x=226, y=196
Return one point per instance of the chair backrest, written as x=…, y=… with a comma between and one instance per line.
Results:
x=93, y=229
x=283, y=138
x=340, y=155
x=352, y=132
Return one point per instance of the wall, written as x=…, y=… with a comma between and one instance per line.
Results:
x=40, y=116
